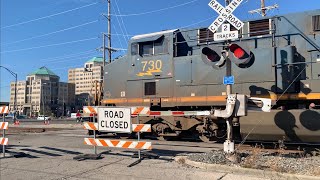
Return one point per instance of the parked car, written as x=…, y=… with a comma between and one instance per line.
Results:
x=42, y=117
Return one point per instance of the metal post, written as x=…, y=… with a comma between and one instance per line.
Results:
x=94, y=136
x=139, y=151
x=3, y=135
x=229, y=145
x=15, y=99
x=104, y=49
x=42, y=100
x=263, y=8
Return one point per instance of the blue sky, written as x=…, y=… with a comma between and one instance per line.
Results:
x=62, y=34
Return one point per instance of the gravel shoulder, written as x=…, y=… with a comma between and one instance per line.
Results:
x=274, y=162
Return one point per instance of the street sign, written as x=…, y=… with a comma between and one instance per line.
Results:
x=227, y=80
x=114, y=120
x=226, y=35
x=225, y=14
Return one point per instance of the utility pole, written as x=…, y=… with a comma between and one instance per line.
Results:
x=109, y=30
x=263, y=9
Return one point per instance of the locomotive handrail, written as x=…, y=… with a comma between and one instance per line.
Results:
x=301, y=33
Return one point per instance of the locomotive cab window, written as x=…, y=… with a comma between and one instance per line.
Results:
x=134, y=49
x=149, y=88
x=151, y=48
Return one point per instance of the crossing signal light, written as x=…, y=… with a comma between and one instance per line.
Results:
x=241, y=55
x=213, y=56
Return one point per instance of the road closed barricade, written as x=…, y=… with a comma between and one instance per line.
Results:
x=118, y=120
x=4, y=110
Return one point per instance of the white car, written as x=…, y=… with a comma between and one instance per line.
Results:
x=42, y=117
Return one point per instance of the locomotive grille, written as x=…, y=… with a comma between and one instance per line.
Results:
x=149, y=88
x=205, y=36
x=259, y=28
x=316, y=23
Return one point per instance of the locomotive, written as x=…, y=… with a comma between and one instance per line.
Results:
x=172, y=70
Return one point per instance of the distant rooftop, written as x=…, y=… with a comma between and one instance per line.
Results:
x=95, y=59
x=43, y=71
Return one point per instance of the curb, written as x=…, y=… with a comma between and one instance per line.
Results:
x=247, y=171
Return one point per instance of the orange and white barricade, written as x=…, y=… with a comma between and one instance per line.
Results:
x=3, y=139
x=4, y=110
x=118, y=143
x=92, y=110
x=139, y=145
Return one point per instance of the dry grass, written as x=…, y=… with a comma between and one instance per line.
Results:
x=250, y=161
x=181, y=161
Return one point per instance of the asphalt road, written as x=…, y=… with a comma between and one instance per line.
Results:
x=49, y=155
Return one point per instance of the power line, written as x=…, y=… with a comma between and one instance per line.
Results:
x=66, y=56
x=37, y=47
x=121, y=29
x=124, y=26
x=52, y=15
x=47, y=34
x=149, y=12
x=201, y=21
x=73, y=59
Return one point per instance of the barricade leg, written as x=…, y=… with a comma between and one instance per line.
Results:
x=94, y=156
x=144, y=154
x=3, y=135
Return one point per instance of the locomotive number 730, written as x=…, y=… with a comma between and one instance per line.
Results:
x=152, y=65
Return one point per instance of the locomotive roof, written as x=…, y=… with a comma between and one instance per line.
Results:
x=154, y=35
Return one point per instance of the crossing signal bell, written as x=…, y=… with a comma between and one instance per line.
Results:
x=213, y=56
x=241, y=55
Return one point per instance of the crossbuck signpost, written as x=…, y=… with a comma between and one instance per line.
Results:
x=225, y=14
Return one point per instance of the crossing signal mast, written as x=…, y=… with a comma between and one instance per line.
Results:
x=236, y=52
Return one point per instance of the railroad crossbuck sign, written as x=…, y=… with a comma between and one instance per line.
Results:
x=114, y=120
x=225, y=14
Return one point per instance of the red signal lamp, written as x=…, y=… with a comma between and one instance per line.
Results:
x=211, y=55
x=237, y=51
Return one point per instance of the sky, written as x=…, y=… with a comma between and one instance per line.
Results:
x=64, y=34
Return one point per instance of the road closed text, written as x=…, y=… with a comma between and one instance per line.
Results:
x=114, y=124
x=114, y=120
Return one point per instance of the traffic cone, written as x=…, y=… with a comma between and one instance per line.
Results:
x=16, y=122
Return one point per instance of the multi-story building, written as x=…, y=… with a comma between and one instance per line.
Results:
x=87, y=81
x=42, y=93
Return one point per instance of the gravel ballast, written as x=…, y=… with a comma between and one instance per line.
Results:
x=284, y=163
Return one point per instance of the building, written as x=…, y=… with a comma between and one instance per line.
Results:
x=42, y=92
x=87, y=81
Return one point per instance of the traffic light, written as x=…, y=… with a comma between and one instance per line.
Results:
x=214, y=56
x=241, y=55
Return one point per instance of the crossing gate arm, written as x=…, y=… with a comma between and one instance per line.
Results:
x=118, y=143
x=177, y=113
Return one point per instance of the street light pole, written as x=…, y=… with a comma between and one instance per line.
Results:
x=15, y=75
